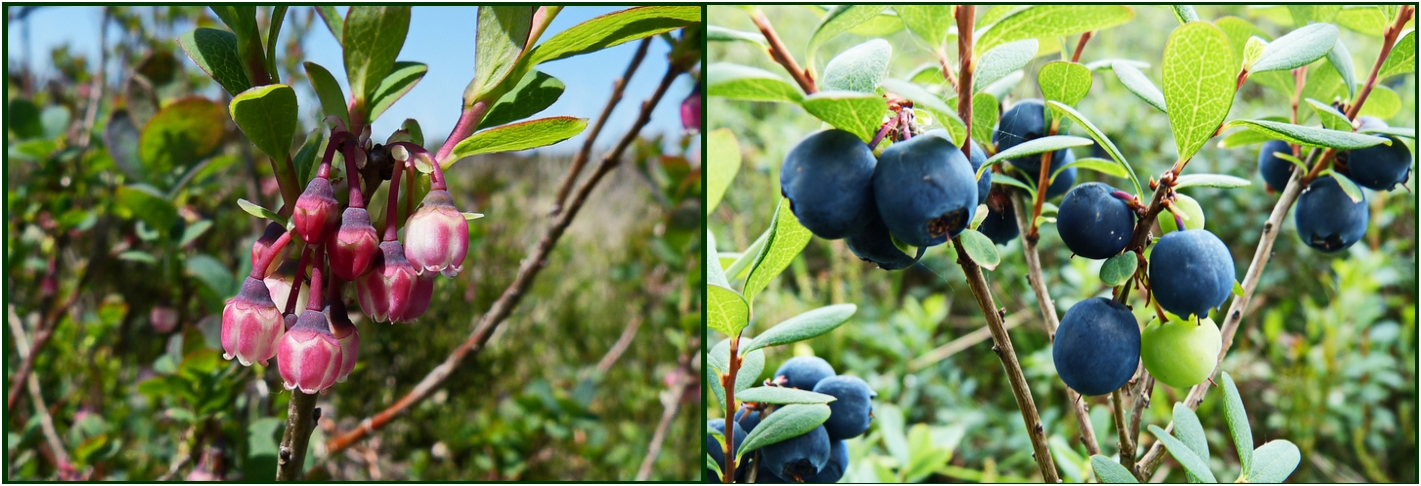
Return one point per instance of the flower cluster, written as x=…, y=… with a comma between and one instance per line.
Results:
x=394, y=281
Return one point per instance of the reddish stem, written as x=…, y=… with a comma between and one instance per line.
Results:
x=296, y=282
x=259, y=268
x=391, y=209
x=781, y=54
x=468, y=122
x=317, y=300
x=1080, y=45
x=352, y=175
x=436, y=179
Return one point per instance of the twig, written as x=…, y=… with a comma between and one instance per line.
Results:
x=963, y=343
x=46, y=330
x=96, y=92
x=672, y=401
x=966, y=15
x=1080, y=45
x=512, y=295
x=781, y=54
x=1036, y=278
x=623, y=342
x=618, y=88
x=291, y=457
x=46, y=422
x=1141, y=401
x=1264, y=251
x=1127, y=446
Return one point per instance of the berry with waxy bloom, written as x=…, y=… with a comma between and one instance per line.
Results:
x=437, y=235
x=309, y=356
x=384, y=292
x=355, y=245
x=315, y=217
x=251, y=325
x=346, y=334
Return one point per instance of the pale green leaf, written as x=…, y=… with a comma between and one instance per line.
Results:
x=1348, y=187
x=1185, y=14
x=856, y=113
x=980, y=249
x=808, y=325
x=1298, y=48
x=1041, y=21
x=1186, y=457
x=518, y=136
x=739, y=82
x=860, y=68
x=1274, y=462
x=716, y=33
x=1199, y=80
x=1003, y=60
x=930, y=23
x=787, y=239
x=782, y=396
x=1311, y=136
x=1064, y=81
x=1189, y=431
x=787, y=422
x=984, y=118
x=838, y=20
x=1237, y=418
x=373, y=37
x=1382, y=103
x=1331, y=118
x=1210, y=180
x=1341, y=60
x=1036, y=146
x=723, y=156
x=1137, y=83
x=1118, y=269
x=402, y=78
x=1108, y=471
x=328, y=91
x=1103, y=166
x=614, y=29
x=1365, y=19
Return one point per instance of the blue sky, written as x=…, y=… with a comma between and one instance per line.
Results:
x=443, y=38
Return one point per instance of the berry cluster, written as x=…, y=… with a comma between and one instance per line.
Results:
x=817, y=456
x=394, y=282
x=1328, y=220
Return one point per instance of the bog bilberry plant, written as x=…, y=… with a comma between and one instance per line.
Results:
x=324, y=245
x=925, y=192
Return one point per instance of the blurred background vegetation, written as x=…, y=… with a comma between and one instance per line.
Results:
x=132, y=387
x=1326, y=356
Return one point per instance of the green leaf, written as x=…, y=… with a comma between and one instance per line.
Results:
x=713, y=466
x=533, y=94
x=1210, y=180
x=930, y=23
x=751, y=366
x=1310, y=136
x=723, y=156
x=980, y=248
x=860, y=68
x=1064, y=81
x=840, y=19
x=1199, y=73
x=1186, y=457
x=1237, y=418
x=1303, y=14
x=1394, y=131
x=184, y=132
x=1108, y=471
x=194, y=231
x=499, y=41
x=24, y=120
x=1137, y=83
x=211, y=273
x=1118, y=269
x=781, y=396
x=1382, y=103
x=260, y=212
x=741, y=267
x=1364, y=19
x=305, y=161
x=738, y=82
x=1100, y=139
x=1331, y=118
x=372, y=39
x=1244, y=137
x=1238, y=289
x=882, y=25
x=54, y=121
x=984, y=118
x=273, y=31
x=401, y=80
x=922, y=99
x=856, y=113
x=614, y=29
x=1107, y=167
x=1341, y=60
x=787, y=238
x=1298, y=48
x=1003, y=87
x=328, y=91
x=1189, y=431
x=788, y=422
x=215, y=52
x=727, y=311
x=267, y=115
x=333, y=21
x=1041, y=21
x=1007, y=180
x=805, y=326
x=1108, y=63
x=1003, y=60
x=518, y=136
x=149, y=205
x=1185, y=14
x=1348, y=187
x=716, y=33
x=1036, y=146
x=120, y=138
x=411, y=126
x=1274, y=462
x=1288, y=156
x=242, y=19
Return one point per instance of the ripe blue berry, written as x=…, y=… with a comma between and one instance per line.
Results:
x=828, y=180
x=1094, y=223
x=1097, y=346
x=852, y=411
x=1191, y=272
x=803, y=372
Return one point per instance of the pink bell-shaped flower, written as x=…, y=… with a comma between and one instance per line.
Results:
x=315, y=217
x=420, y=295
x=437, y=235
x=251, y=325
x=354, y=246
x=309, y=356
x=384, y=291
x=273, y=232
x=279, y=283
x=691, y=111
x=345, y=333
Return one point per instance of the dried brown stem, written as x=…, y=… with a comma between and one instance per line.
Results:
x=781, y=54
x=46, y=422
x=672, y=401
x=1127, y=445
x=512, y=295
x=578, y=161
x=301, y=417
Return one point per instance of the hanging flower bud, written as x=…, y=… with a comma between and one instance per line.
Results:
x=354, y=246
x=438, y=235
x=315, y=216
x=345, y=333
x=279, y=282
x=384, y=291
x=273, y=232
x=420, y=295
x=691, y=111
x=309, y=357
x=251, y=325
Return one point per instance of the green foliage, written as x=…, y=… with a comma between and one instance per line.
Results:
x=518, y=136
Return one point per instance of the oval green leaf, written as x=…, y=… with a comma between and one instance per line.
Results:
x=782, y=396
x=1002, y=60
x=215, y=52
x=856, y=113
x=787, y=238
x=1189, y=431
x=533, y=94
x=1186, y=457
x=1330, y=117
x=1185, y=14
x=184, y=132
x=1064, y=81
x=838, y=20
x=723, y=163
x=1237, y=418
x=1402, y=58
x=980, y=248
x=1138, y=83
x=805, y=326
x=788, y=422
x=1199, y=73
x=860, y=68
x=372, y=39
x=1310, y=136
x=1382, y=103
x=716, y=33
x=1118, y=269
x=267, y=115
x=1298, y=48
x=402, y=78
x=501, y=35
x=614, y=29
x=738, y=82
x=1108, y=471
x=984, y=118
x=1037, y=146
x=1107, y=167
x=518, y=136
x=328, y=91
x=1341, y=60
x=930, y=23
x=1040, y=21
x=1348, y=187
x=1274, y=462
x=1210, y=180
